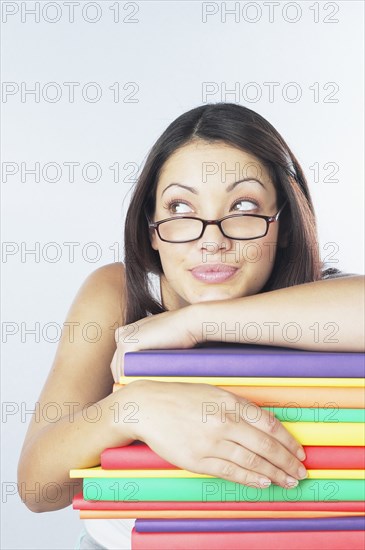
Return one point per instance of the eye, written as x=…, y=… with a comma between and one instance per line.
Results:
x=248, y=204
x=178, y=206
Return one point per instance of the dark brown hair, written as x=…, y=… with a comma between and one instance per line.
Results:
x=295, y=263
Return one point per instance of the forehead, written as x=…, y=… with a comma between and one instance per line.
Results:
x=200, y=161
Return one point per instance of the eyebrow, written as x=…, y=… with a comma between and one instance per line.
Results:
x=230, y=187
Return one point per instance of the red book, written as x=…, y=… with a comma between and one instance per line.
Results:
x=79, y=503
x=139, y=456
x=297, y=540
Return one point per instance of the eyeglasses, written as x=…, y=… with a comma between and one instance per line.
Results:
x=240, y=227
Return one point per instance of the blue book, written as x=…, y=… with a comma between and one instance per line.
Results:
x=348, y=523
x=221, y=359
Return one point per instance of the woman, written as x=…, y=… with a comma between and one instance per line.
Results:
x=248, y=270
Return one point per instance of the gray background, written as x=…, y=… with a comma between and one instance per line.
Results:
x=168, y=52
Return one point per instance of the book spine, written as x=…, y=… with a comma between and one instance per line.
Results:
x=306, y=540
x=285, y=396
x=218, y=490
x=215, y=362
x=350, y=507
x=350, y=523
x=212, y=514
x=245, y=381
x=140, y=456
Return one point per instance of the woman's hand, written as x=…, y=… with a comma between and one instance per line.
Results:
x=204, y=429
x=192, y=425
x=171, y=329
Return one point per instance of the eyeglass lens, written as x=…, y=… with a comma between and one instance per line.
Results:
x=240, y=227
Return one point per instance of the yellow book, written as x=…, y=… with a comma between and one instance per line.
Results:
x=98, y=472
x=328, y=434
x=252, y=381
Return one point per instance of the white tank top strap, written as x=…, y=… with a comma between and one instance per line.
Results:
x=154, y=283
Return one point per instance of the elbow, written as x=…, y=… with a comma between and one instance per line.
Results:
x=37, y=495
x=29, y=490
x=32, y=495
x=43, y=485
x=29, y=498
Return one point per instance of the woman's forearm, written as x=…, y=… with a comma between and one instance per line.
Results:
x=325, y=315
x=75, y=441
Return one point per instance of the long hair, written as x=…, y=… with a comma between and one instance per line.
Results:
x=296, y=263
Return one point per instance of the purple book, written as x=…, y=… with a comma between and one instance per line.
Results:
x=349, y=523
x=244, y=360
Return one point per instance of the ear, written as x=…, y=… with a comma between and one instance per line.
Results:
x=154, y=239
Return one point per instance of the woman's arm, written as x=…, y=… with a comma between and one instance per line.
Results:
x=74, y=441
x=92, y=419
x=325, y=315
x=80, y=377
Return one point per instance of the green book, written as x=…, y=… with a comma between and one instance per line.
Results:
x=315, y=414
x=218, y=490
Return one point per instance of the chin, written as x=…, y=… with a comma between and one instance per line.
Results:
x=212, y=295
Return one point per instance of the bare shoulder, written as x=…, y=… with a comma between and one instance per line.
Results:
x=112, y=272
x=107, y=283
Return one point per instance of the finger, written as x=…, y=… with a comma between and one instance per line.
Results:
x=266, y=446
x=113, y=366
x=251, y=461
x=225, y=469
x=125, y=343
x=120, y=334
x=117, y=364
x=268, y=423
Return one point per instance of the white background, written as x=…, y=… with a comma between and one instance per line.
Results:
x=168, y=52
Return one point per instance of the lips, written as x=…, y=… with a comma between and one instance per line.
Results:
x=213, y=273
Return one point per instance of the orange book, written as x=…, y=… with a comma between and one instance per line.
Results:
x=298, y=396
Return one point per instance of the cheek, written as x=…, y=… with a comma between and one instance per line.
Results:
x=268, y=246
x=258, y=258
x=261, y=252
x=258, y=264
x=170, y=255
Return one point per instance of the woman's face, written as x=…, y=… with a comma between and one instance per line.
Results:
x=200, y=180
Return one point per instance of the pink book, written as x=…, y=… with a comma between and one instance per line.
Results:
x=297, y=540
x=138, y=456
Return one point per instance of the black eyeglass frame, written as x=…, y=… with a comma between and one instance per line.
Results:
x=268, y=219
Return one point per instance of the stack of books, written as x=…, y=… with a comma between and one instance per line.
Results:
x=320, y=399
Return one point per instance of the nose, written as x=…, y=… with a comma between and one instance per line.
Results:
x=212, y=234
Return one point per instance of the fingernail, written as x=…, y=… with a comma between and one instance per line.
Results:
x=264, y=482
x=302, y=472
x=291, y=482
x=301, y=454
